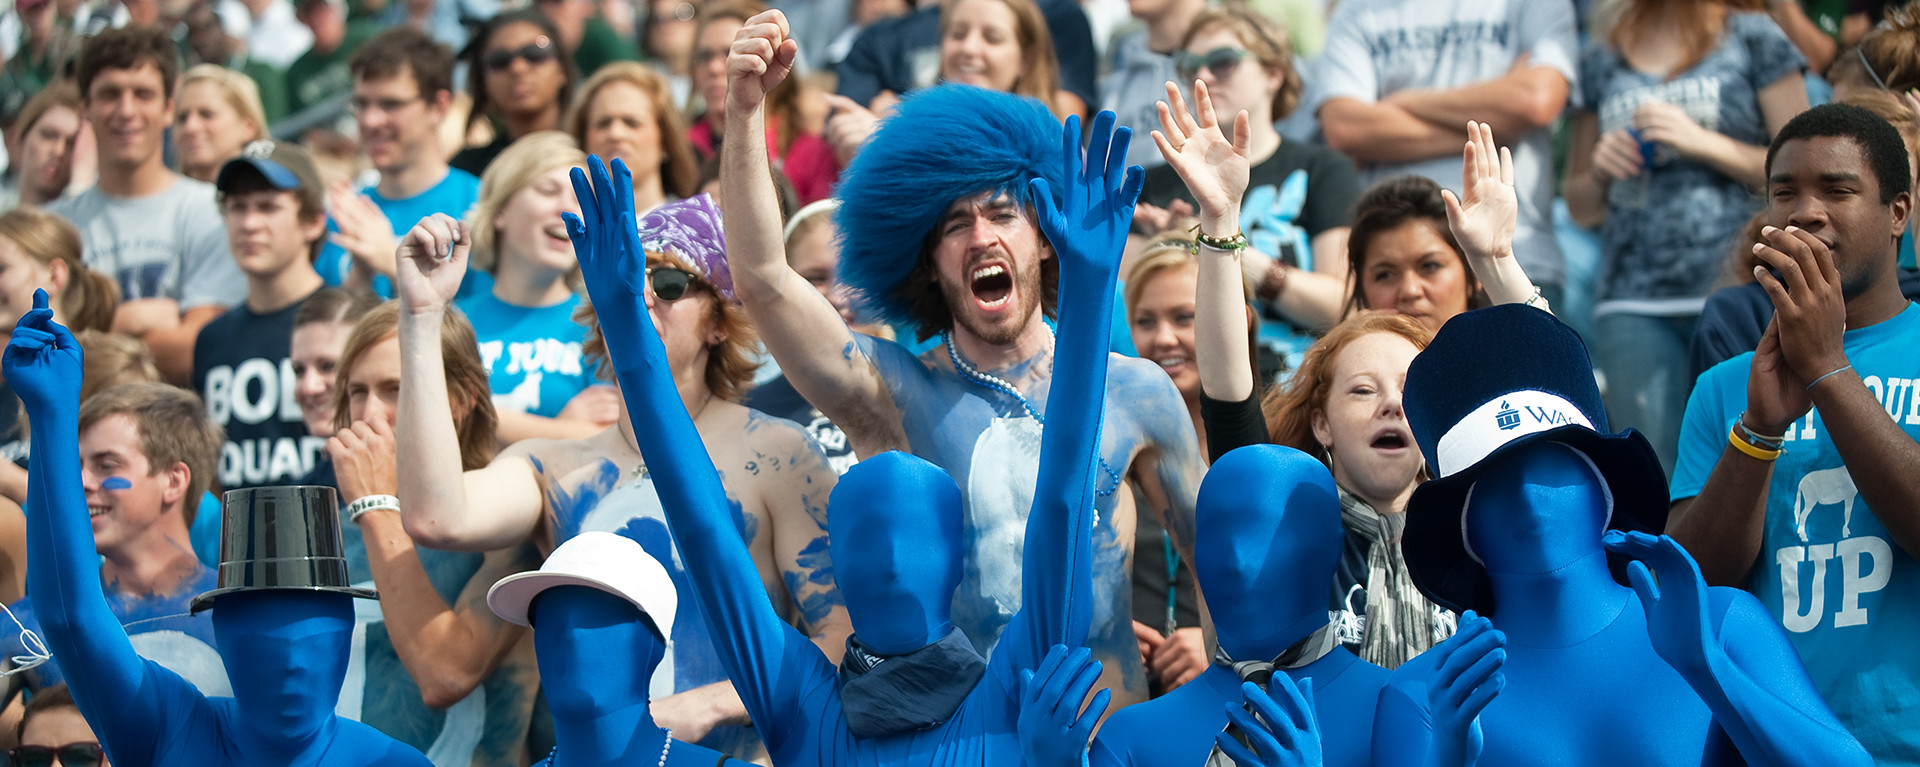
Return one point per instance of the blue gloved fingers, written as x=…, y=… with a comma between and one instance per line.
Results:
x=583, y=191
x=1036, y=680
x=1294, y=701
x=1270, y=740
x=1070, y=151
x=1081, y=681
x=1643, y=584
x=1232, y=748
x=622, y=186
x=1095, y=710
x=31, y=339
x=1098, y=140
x=1469, y=627
x=1463, y=686
x=1130, y=191
x=1052, y=223
x=1482, y=695
x=1468, y=656
x=1055, y=692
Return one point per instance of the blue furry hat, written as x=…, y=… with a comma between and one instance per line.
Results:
x=940, y=145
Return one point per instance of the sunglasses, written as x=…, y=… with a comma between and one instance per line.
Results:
x=669, y=284
x=540, y=51
x=1220, y=61
x=71, y=755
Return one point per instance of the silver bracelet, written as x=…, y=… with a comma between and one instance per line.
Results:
x=1538, y=301
x=368, y=503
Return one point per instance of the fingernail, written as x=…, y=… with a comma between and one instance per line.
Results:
x=1768, y=229
x=1791, y=229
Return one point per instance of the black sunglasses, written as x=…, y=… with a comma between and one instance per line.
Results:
x=1220, y=61
x=669, y=284
x=71, y=755
x=540, y=51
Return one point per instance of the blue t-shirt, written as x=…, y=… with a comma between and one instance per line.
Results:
x=532, y=354
x=160, y=628
x=454, y=196
x=1828, y=569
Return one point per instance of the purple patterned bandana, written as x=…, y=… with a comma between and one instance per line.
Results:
x=691, y=229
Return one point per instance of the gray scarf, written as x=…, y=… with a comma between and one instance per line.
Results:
x=1304, y=652
x=1400, y=622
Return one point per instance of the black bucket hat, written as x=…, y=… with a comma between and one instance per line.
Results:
x=281, y=538
x=1494, y=381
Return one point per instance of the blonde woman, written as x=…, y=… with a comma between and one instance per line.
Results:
x=529, y=342
x=216, y=113
x=626, y=111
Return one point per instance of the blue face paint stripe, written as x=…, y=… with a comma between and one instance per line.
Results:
x=116, y=483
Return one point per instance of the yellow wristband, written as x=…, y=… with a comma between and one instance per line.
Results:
x=1756, y=453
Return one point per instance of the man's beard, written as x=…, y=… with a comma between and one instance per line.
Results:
x=962, y=306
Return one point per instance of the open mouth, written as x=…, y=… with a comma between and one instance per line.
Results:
x=97, y=511
x=1171, y=363
x=992, y=286
x=1390, y=439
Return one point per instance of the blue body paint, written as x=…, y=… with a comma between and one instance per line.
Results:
x=115, y=483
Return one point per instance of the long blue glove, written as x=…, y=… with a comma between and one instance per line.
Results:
x=1286, y=732
x=1088, y=232
x=1053, y=730
x=746, y=630
x=43, y=365
x=1767, y=728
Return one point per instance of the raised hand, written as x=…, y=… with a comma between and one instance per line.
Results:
x=431, y=261
x=1216, y=170
x=1466, y=678
x=1484, y=221
x=1286, y=731
x=43, y=362
x=1089, y=229
x=612, y=263
x=1053, y=730
x=1676, y=606
x=364, y=233
x=762, y=56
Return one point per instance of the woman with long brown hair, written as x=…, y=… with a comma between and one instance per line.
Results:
x=520, y=80
x=1680, y=98
x=469, y=677
x=626, y=111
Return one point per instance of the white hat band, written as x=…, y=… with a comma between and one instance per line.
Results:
x=1502, y=420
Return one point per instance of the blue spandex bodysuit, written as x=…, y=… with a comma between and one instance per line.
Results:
x=1267, y=544
x=1584, y=683
x=285, y=651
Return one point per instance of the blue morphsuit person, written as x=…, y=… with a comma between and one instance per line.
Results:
x=912, y=690
x=1568, y=666
x=601, y=608
x=1266, y=548
x=285, y=650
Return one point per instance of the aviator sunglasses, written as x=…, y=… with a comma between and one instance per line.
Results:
x=71, y=755
x=1220, y=61
x=538, y=52
x=669, y=284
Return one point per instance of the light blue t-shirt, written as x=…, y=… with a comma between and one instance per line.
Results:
x=1828, y=569
x=532, y=354
x=455, y=195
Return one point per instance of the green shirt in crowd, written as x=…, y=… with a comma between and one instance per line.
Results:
x=316, y=76
x=600, y=45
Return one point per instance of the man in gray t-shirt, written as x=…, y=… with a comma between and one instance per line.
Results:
x=1399, y=79
x=157, y=233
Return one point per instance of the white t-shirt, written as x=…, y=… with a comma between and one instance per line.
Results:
x=167, y=245
x=1379, y=47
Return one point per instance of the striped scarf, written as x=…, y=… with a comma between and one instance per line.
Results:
x=1400, y=622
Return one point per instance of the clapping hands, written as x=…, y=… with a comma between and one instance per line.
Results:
x=1466, y=677
x=1676, y=604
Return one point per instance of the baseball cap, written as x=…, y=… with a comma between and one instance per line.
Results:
x=284, y=165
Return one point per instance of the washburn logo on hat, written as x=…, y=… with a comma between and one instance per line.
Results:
x=258, y=150
x=1500, y=421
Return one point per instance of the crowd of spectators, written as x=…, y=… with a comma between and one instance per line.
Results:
x=215, y=193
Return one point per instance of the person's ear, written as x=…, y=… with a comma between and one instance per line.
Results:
x=311, y=230
x=438, y=106
x=1322, y=428
x=178, y=476
x=1902, y=210
x=57, y=277
x=167, y=116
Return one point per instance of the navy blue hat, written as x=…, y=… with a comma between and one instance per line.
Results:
x=1494, y=381
x=286, y=166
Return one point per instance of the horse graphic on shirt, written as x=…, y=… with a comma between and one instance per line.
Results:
x=1821, y=488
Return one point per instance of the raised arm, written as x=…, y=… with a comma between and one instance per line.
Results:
x=752, y=640
x=107, y=677
x=1088, y=231
x=802, y=331
x=1484, y=222
x=447, y=649
x=443, y=506
x=1740, y=664
x=1216, y=172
